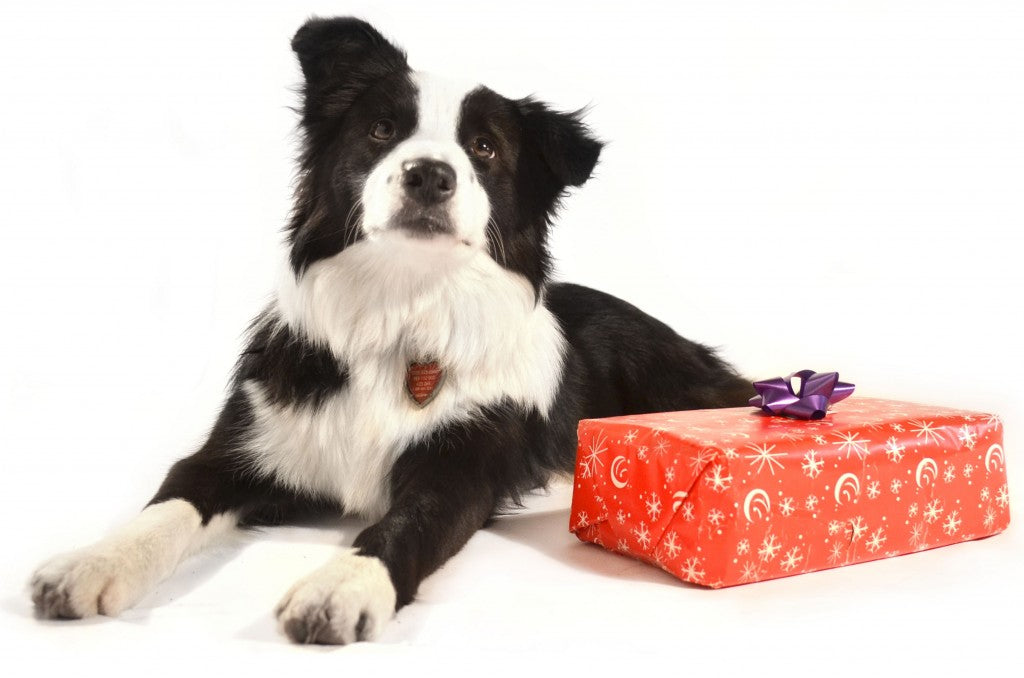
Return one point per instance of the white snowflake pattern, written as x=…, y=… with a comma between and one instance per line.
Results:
x=786, y=507
x=895, y=486
x=926, y=430
x=873, y=489
x=687, y=509
x=967, y=436
x=917, y=535
x=949, y=474
x=662, y=447
x=835, y=554
x=620, y=517
x=672, y=545
x=730, y=453
x=820, y=439
x=856, y=529
x=770, y=547
x=912, y=510
x=642, y=535
x=750, y=572
x=716, y=517
x=582, y=520
x=791, y=559
x=897, y=427
x=653, y=506
x=641, y=451
x=670, y=474
x=834, y=527
x=762, y=456
x=743, y=547
x=985, y=494
x=852, y=442
x=894, y=450
x=690, y=570
x=993, y=420
x=630, y=436
x=952, y=524
x=876, y=540
x=717, y=479
x=812, y=464
x=622, y=546
x=590, y=462
x=933, y=510
x=1003, y=497
x=811, y=502
x=990, y=518
x=968, y=471
x=701, y=459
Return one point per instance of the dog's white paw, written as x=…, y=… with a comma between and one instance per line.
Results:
x=348, y=599
x=90, y=581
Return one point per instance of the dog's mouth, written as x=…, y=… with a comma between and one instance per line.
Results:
x=426, y=225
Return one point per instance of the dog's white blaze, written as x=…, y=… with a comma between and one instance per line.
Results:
x=117, y=571
x=439, y=103
x=376, y=312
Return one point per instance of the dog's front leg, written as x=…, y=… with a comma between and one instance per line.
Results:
x=441, y=495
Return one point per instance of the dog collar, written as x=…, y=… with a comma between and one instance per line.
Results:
x=423, y=381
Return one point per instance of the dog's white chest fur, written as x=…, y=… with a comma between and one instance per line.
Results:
x=378, y=305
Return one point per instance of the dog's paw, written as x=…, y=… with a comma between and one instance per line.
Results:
x=348, y=599
x=87, y=582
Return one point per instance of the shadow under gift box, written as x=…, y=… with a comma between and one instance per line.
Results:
x=731, y=496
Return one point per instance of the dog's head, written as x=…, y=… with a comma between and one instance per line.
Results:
x=428, y=166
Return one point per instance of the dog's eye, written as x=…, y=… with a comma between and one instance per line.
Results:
x=483, y=148
x=382, y=130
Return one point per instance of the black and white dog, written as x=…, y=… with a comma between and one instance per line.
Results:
x=416, y=366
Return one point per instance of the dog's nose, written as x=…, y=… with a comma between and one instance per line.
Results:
x=428, y=181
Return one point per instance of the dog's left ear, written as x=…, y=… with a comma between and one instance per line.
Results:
x=568, y=147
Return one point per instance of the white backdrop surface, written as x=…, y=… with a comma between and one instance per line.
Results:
x=830, y=185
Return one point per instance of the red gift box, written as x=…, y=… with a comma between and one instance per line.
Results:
x=730, y=496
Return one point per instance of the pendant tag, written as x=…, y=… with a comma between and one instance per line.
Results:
x=423, y=381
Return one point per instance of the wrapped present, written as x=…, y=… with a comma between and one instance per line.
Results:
x=730, y=496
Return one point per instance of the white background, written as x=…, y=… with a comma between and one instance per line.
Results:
x=833, y=185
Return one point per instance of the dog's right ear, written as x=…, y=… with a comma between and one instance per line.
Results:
x=340, y=57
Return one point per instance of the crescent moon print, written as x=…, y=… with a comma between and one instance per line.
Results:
x=926, y=472
x=756, y=504
x=677, y=499
x=847, y=487
x=616, y=469
x=994, y=454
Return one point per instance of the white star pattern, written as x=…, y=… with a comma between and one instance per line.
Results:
x=1003, y=497
x=820, y=439
x=717, y=480
x=933, y=510
x=750, y=572
x=895, y=485
x=912, y=510
x=917, y=535
x=672, y=546
x=985, y=494
x=769, y=548
x=630, y=436
x=968, y=471
x=743, y=547
x=894, y=450
x=852, y=442
x=582, y=519
x=670, y=474
x=589, y=463
x=949, y=474
x=876, y=540
x=926, y=430
x=786, y=506
x=620, y=517
x=730, y=453
x=662, y=447
x=834, y=527
x=856, y=529
x=716, y=517
x=811, y=502
x=791, y=559
x=812, y=464
x=653, y=506
x=622, y=546
x=835, y=554
x=952, y=524
x=993, y=420
x=762, y=456
x=690, y=569
x=967, y=436
x=687, y=510
x=990, y=518
x=897, y=427
x=701, y=459
x=873, y=490
x=642, y=535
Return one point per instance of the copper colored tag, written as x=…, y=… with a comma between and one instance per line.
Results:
x=423, y=381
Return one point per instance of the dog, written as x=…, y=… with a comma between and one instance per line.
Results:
x=417, y=367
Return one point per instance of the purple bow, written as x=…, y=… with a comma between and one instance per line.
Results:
x=818, y=390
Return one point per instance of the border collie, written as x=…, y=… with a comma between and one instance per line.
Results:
x=416, y=366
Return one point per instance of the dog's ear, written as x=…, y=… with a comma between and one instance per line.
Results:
x=567, y=146
x=340, y=57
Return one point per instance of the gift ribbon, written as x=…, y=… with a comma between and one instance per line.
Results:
x=817, y=391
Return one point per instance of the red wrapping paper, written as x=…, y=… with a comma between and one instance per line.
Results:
x=731, y=496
